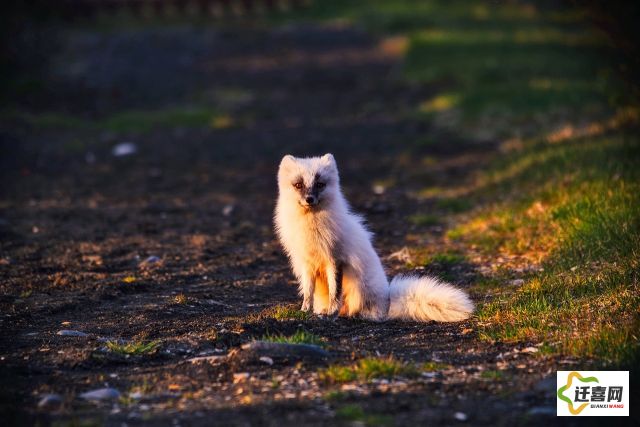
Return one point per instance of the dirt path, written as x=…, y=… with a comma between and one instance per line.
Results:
x=77, y=222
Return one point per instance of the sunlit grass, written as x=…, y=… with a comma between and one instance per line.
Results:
x=180, y=299
x=565, y=199
x=222, y=122
x=300, y=337
x=286, y=312
x=434, y=366
x=440, y=103
x=136, y=348
x=370, y=368
x=575, y=208
x=445, y=258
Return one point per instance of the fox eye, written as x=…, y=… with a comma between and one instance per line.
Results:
x=298, y=185
x=321, y=185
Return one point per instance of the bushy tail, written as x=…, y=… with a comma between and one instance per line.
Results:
x=426, y=298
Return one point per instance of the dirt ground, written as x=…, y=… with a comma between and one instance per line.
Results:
x=77, y=224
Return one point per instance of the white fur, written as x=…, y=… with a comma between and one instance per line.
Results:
x=422, y=298
x=318, y=239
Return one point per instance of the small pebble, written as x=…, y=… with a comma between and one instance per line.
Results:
x=227, y=210
x=460, y=416
x=267, y=360
x=101, y=394
x=517, y=282
x=71, y=333
x=124, y=149
x=150, y=261
x=50, y=402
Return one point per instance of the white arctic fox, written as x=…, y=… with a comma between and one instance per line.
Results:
x=333, y=258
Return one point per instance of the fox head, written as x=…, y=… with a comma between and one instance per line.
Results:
x=312, y=182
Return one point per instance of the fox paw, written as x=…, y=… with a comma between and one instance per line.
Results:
x=333, y=310
x=334, y=307
x=306, y=306
x=320, y=311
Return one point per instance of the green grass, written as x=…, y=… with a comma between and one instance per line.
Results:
x=136, y=121
x=300, y=337
x=454, y=205
x=355, y=413
x=564, y=194
x=486, y=284
x=505, y=69
x=433, y=366
x=136, y=348
x=145, y=121
x=575, y=208
x=425, y=219
x=492, y=375
x=447, y=259
x=423, y=257
x=369, y=368
x=335, y=396
x=179, y=299
x=283, y=312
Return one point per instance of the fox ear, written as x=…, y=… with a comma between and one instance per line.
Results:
x=328, y=159
x=287, y=161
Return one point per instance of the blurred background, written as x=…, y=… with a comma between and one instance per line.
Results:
x=109, y=70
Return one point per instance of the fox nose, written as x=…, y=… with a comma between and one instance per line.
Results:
x=310, y=200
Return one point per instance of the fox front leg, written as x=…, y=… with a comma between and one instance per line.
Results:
x=308, y=284
x=334, y=279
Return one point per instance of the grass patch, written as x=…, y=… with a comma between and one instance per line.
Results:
x=136, y=121
x=145, y=121
x=283, y=312
x=300, y=337
x=355, y=413
x=567, y=197
x=433, y=366
x=492, y=375
x=505, y=69
x=575, y=208
x=425, y=219
x=136, y=348
x=335, y=396
x=50, y=120
x=454, y=205
x=369, y=368
x=445, y=259
x=180, y=299
x=486, y=284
